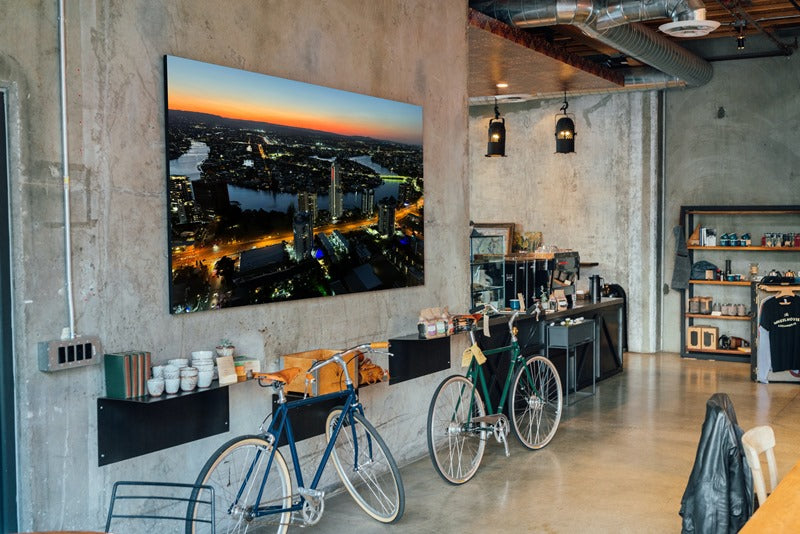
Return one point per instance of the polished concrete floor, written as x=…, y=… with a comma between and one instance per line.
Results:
x=619, y=462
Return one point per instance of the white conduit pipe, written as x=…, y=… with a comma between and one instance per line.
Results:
x=65, y=169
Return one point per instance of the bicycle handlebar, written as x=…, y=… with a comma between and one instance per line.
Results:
x=338, y=358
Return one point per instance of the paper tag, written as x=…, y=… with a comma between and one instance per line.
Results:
x=473, y=352
x=486, y=324
x=521, y=303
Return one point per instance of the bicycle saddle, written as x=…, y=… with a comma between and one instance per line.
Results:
x=284, y=375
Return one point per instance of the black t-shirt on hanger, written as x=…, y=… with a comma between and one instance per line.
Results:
x=780, y=316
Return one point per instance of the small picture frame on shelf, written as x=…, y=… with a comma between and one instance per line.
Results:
x=497, y=229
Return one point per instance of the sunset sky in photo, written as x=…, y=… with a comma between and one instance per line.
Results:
x=239, y=94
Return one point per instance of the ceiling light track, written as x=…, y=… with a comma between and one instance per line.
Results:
x=735, y=8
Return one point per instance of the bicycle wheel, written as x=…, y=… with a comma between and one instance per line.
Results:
x=366, y=466
x=535, y=403
x=235, y=471
x=455, y=443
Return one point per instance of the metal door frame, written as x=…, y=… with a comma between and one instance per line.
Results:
x=8, y=467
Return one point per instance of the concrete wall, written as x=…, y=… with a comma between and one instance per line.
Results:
x=601, y=201
x=408, y=50
x=733, y=141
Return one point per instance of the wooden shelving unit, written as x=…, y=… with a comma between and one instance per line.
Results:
x=748, y=249
x=718, y=317
x=779, y=219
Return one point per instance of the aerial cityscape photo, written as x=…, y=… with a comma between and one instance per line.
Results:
x=282, y=190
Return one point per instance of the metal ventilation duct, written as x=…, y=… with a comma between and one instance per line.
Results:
x=614, y=23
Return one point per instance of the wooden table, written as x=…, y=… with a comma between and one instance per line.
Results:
x=781, y=511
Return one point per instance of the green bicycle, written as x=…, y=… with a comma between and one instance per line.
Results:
x=458, y=424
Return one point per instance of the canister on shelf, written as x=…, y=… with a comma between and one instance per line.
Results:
x=705, y=305
x=694, y=305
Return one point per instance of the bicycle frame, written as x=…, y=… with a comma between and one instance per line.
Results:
x=281, y=424
x=476, y=376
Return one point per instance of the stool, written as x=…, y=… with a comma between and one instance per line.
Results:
x=570, y=337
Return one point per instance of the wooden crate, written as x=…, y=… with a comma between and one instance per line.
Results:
x=694, y=337
x=327, y=380
x=709, y=337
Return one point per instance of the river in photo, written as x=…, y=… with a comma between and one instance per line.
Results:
x=250, y=199
x=189, y=163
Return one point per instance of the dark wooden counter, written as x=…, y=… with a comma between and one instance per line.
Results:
x=609, y=316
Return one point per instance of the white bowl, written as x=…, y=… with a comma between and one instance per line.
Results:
x=179, y=362
x=202, y=354
x=188, y=371
x=204, y=379
x=155, y=386
x=172, y=385
x=188, y=383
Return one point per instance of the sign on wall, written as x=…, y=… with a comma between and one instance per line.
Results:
x=281, y=190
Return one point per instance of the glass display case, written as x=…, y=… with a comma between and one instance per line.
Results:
x=487, y=270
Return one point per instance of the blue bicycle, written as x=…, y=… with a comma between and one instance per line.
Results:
x=251, y=480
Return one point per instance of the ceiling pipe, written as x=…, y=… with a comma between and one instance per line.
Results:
x=62, y=56
x=619, y=30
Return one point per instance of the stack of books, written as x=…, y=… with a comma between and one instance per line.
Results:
x=126, y=374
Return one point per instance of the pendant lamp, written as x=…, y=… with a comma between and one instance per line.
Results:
x=565, y=130
x=497, y=135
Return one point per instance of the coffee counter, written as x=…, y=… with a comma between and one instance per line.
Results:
x=609, y=315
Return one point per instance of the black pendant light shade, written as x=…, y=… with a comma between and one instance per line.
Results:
x=497, y=135
x=565, y=130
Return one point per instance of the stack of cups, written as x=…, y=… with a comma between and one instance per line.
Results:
x=172, y=379
x=188, y=378
x=203, y=361
x=155, y=385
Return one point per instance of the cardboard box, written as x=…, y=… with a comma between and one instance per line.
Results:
x=694, y=336
x=709, y=337
x=329, y=379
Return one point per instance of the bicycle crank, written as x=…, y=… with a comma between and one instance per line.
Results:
x=498, y=424
x=501, y=432
x=313, y=505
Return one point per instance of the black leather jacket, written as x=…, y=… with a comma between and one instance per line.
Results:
x=719, y=496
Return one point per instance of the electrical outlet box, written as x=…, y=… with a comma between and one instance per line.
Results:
x=68, y=353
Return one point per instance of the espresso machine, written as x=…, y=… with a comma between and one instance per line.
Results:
x=538, y=273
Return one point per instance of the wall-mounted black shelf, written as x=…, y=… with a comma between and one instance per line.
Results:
x=414, y=357
x=127, y=428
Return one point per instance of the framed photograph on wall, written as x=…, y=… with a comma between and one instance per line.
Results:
x=282, y=190
x=503, y=229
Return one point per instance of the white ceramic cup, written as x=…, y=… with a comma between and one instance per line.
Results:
x=188, y=383
x=202, y=354
x=158, y=371
x=155, y=386
x=204, y=378
x=172, y=385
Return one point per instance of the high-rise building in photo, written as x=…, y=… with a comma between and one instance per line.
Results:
x=336, y=205
x=386, y=216
x=307, y=201
x=368, y=202
x=303, y=235
x=403, y=193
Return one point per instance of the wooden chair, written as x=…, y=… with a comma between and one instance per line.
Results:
x=757, y=440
